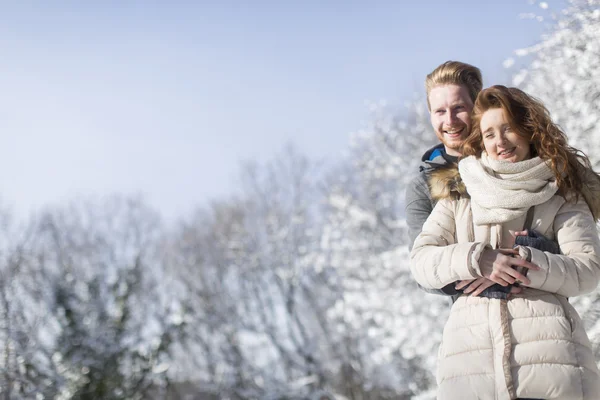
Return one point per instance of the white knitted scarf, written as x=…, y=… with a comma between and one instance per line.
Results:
x=502, y=191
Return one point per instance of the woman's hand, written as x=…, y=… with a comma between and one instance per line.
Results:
x=499, y=266
x=475, y=287
x=536, y=241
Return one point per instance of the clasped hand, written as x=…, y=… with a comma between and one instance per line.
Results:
x=498, y=266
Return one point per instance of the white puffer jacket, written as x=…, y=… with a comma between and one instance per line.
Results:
x=532, y=345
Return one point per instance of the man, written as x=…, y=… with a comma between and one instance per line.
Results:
x=451, y=92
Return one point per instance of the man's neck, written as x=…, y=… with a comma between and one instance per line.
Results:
x=451, y=152
x=451, y=156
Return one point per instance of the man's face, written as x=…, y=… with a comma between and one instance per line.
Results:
x=450, y=113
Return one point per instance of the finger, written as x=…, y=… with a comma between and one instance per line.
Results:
x=508, y=278
x=475, y=284
x=509, y=252
x=462, y=284
x=499, y=278
x=519, y=262
x=519, y=233
x=516, y=290
x=517, y=276
x=482, y=287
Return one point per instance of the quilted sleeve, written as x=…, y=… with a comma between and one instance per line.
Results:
x=577, y=270
x=436, y=260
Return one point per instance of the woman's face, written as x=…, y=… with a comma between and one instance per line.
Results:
x=500, y=141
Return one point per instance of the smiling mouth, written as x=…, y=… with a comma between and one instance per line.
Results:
x=454, y=132
x=507, y=152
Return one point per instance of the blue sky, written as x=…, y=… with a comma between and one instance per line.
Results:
x=166, y=98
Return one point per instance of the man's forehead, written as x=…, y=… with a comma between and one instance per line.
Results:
x=449, y=94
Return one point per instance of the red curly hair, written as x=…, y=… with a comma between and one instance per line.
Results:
x=530, y=118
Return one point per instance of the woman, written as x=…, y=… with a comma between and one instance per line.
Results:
x=516, y=166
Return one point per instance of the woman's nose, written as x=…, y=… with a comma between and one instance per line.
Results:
x=501, y=139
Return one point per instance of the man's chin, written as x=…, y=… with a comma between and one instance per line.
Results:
x=454, y=144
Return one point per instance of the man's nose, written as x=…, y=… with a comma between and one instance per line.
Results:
x=450, y=117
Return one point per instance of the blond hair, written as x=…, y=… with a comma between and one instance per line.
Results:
x=455, y=73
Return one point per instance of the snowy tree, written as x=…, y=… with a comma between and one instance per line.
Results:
x=252, y=280
x=28, y=368
x=112, y=325
x=392, y=328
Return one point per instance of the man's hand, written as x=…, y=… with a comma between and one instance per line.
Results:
x=499, y=266
x=475, y=287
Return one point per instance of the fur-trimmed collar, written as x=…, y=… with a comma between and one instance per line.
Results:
x=445, y=182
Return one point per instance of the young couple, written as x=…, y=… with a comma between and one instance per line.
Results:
x=503, y=218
